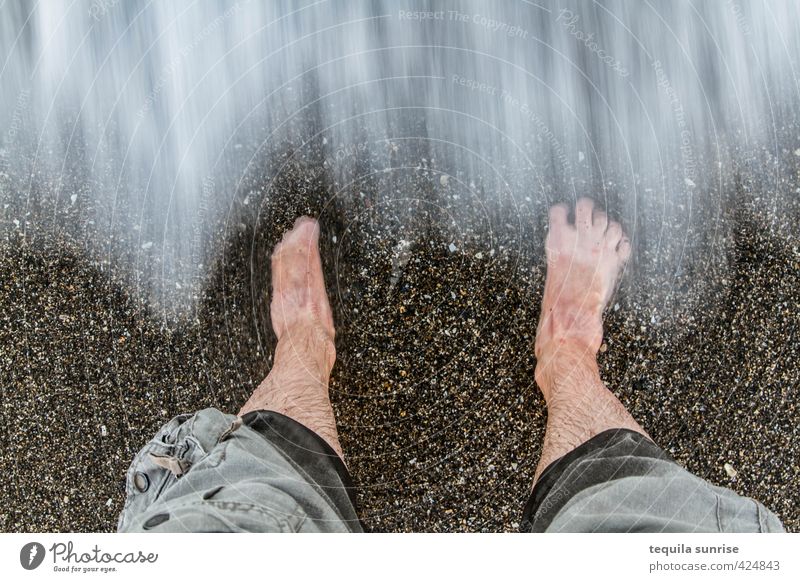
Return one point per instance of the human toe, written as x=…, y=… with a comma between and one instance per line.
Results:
x=613, y=234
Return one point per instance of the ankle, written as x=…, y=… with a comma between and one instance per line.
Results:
x=566, y=368
x=569, y=345
x=309, y=342
x=569, y=328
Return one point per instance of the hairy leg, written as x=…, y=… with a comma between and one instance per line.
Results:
x=584, y=260
x=297, y=385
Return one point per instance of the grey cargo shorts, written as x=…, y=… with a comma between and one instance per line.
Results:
x=264, y=472
x=215, y=472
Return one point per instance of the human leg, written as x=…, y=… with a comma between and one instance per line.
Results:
x=583, y=263
x=297, y=385
x=599, y=470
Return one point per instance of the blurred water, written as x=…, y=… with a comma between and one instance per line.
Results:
x=158, y=108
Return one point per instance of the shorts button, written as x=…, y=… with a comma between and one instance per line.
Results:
x=141, y=481
x=157, y=519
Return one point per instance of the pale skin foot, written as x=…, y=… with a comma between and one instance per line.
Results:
x=584, y=261
x=297, y=385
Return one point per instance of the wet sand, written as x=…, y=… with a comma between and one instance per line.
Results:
x=438, y=412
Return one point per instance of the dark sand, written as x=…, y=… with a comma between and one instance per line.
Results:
x=438, y=413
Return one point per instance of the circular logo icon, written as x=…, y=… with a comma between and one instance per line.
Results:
x=31, y=555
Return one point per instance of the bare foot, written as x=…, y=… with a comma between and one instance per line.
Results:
x=298, y=286
x=297, y=385
x=583, y=263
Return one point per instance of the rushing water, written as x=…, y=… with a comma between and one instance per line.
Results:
x=159, y=108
